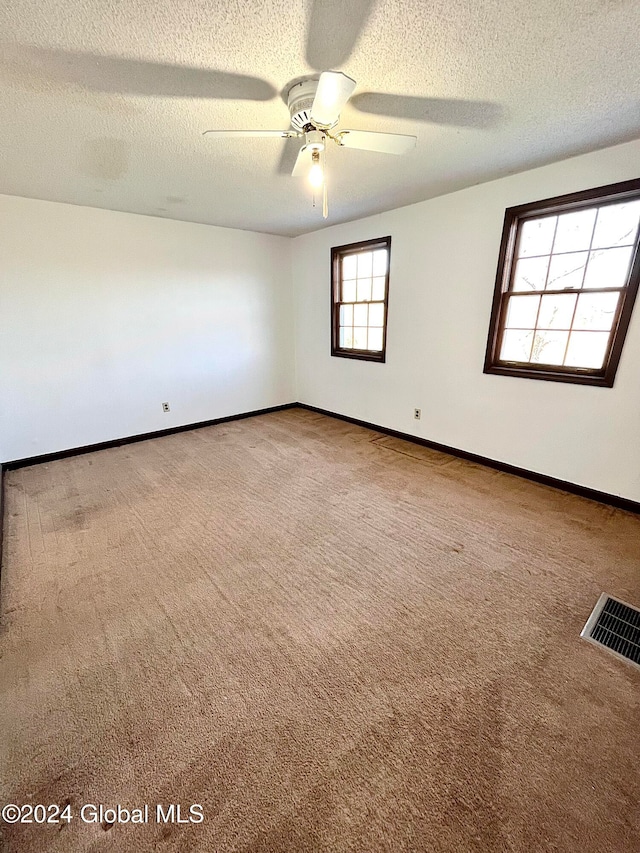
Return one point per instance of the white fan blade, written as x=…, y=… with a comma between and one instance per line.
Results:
x=369, y=140
x=303, y=163
x=283, y=134
x=333, y=92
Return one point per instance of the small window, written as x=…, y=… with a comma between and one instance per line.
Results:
x=359, y=299
x=567, y=279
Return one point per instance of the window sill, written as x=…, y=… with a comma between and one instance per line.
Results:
x=361, y=355
x=523, y=372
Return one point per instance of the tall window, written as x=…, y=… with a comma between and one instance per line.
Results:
x=567, y=279
x=359, y=299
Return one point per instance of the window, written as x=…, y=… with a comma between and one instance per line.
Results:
x=567, y=279
x=359, y=298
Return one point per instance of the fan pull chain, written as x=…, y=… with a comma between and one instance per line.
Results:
x=325, y=202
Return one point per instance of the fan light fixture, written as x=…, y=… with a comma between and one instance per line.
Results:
x=314, y=108
x=316, y=175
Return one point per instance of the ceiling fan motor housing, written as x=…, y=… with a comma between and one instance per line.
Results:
x=300, y=101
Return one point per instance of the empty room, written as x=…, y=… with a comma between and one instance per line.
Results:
x=319, y=426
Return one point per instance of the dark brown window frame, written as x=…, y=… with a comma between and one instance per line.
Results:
x=514, y=216
x=337, y=253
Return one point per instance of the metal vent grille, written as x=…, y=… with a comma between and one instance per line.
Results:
x=615, y=626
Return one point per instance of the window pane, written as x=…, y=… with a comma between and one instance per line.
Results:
x=567, y=271
x=346, y=337
x=522, y=312
x=574, y=231
x=359, y=281
x=596, y=311
x=365, y=262
x=377, y=291
x=530, y=274
x=375, y=339
x=608, y=268
x=556, y=311
x=376, y=315
x=567, y=274
x=349, y=266
x=360, y=315
x=360, y=338
x=617, y=224
x=346, y=315
x=549, y=347
x=364, y=289
x=586, y=349
x=380, y=262
x=516, y=345
x=348, y=291
x=536, y=236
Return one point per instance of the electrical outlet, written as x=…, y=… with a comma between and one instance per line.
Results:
x=417, y=414
x=165, y=407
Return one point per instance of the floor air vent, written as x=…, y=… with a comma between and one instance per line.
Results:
x=615, y=626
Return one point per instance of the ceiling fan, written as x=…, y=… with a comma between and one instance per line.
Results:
x=315, y=106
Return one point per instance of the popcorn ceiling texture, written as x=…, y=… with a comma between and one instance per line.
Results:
x=77, y=124
x=336, y=642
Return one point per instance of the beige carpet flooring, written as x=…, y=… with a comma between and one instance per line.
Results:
x=330, y=639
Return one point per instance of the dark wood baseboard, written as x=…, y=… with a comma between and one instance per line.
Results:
x=130, y=439
x=564, y=485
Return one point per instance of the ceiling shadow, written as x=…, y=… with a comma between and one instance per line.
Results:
x=448, y=111
x=334, y=29
x=118, y=75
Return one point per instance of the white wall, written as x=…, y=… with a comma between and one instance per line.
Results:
x=443, y=264
x=104, y=316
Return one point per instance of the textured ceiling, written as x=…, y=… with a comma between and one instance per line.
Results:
x=103, y=102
